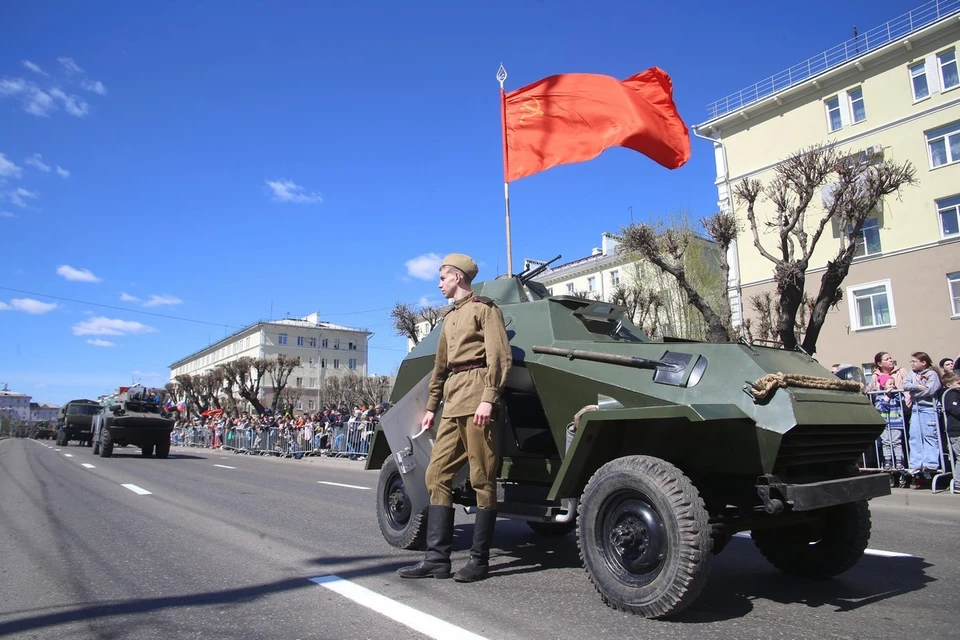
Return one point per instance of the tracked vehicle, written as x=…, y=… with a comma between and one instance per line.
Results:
x=655, y=451
x=133, y=416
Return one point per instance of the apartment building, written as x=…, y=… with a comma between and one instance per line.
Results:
x=323, y=349
x=892, y=93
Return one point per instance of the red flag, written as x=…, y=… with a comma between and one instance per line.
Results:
x=575, y=117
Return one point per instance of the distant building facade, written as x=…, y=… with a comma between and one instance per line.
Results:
x=893, y=93
x=14, y=406
x=323, y=349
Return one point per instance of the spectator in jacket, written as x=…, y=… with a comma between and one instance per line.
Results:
x=951, y=412
x=890, y=405
x=923, y=384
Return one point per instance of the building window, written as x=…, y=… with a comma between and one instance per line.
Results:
x=949, y=211
x=299, y=341
x=311, y=364
x=313, y=342
x=871, y=306
x=313, y=383
x=570, y=288
x=299, y=382
x=944, y=145
x=336, y=363
x=833, y=113
x=592, y=283
x=918, y=79
x=299, y=405
x=323, y=363
x=353, y=363
x=282, y=339
x=948, y=69
x=953, y=281
x=615, y=278
x=310, y=405
x=352, y=346
x=857, y=107
x=323, y=343
x=336, y=343
x=868, y=242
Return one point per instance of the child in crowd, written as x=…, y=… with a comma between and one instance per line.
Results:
x=890, y=406
x=923, y=383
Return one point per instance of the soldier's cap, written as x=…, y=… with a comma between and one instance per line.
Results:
x=463, y=262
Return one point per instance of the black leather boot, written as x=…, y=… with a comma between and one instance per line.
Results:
x=436, y=562
x=479, y=563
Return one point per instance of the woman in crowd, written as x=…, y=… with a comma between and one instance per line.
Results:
x=923, y=385
x=883, y=364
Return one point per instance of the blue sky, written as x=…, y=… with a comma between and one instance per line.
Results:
x=192, y=166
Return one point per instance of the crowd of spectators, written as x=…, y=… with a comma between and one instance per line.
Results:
x=921, y=405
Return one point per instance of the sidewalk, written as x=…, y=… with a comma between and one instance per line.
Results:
x=920, y=498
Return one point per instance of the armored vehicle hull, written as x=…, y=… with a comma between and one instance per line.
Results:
x=76, y=422
x=655, y=452
x=133, y=418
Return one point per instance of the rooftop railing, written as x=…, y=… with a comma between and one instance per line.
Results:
x=865, y=42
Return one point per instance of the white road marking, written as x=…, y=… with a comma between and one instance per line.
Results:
x=880, y=553
x=223, y=466
x=56, y=449
x=68, y=455
x=338, y=484
x=88, y=466
x=137, y=490
x=428, y=625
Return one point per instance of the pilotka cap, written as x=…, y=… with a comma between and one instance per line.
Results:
x=463, y=262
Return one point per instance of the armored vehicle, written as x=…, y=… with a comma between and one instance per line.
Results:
x=655, y=451
x=133, y=416
x=76, y=422
x=45, y=431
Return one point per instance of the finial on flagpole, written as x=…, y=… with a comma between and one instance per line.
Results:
x=501, y=75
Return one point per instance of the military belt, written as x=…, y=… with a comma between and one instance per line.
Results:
x=469, y=366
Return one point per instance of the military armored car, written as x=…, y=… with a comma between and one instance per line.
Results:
x=75, y=422
x=655, y=452
x=133, y=416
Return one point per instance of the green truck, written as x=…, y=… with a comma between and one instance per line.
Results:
x=74, y=422
x=656, y=452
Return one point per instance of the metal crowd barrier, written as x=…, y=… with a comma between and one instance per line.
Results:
x=348, y=440
x=891, y=451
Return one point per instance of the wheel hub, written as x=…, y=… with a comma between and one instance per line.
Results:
x=635, y=539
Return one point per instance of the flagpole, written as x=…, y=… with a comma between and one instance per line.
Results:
x=501, y=77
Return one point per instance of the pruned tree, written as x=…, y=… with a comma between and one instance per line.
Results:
x=209, y=387
x=406, y=318
x=852, y=188
x=279, y=370
x=668, y=246
x=762, y=327
x=289, y=397
x=190, y=392
x=246, y=374
x=228, y=390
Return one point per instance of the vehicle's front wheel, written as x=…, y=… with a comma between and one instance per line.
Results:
x=821, y=549
x=400, y=527
x=106, y=444
x=644, y=536
x=163, y=448
x=146, y=450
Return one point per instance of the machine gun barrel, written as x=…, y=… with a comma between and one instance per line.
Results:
x=609, y=358
x=525, y=277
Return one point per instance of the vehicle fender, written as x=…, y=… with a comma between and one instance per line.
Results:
x=379, y=450
x=682, y=434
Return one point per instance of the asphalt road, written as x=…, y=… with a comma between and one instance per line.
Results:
x=225, y=546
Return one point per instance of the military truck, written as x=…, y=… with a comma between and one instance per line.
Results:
x=133, y=416
x=656, y=452
x=75, y=422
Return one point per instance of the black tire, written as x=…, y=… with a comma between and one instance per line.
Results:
x=553, y=528
x=400, y=527
x=106, y=444
x=146, y=451
x=163, y=448
x=644, y=536
x=96, y=447
x=819, y=550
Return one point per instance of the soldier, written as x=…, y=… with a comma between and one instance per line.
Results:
x=473, y=358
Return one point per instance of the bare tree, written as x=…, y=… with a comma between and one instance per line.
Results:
x=279, y=370
x=766, y=309
x=209, y=387
x=246, y=374
x=189, y=391
x=854, y=189
x=406, y=317
x=289, y=397
x=667, y=247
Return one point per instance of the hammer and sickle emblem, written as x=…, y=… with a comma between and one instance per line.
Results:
x=530, y=110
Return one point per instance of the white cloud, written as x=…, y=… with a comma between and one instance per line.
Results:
x=13, y=87
x=101, y=326
x=162, y=301
x=17, y=196
x=8, y=169
x=69, y=65
x=424, y=267
x=33, y=66
x=28, y=305
x=289, y=191
x=97, y=342
x=126, y=297
x=6, y=214
x=63, y=173
x=95, y=86
x=74, y=104
x=35, y=101
x=36, y=161
x=76, y=275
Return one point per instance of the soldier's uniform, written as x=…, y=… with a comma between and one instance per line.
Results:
x=473, y=359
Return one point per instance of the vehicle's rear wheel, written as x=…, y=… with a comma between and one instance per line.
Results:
x=400, y=527
x=163, y=448
x=106, y=444
x=821, y=549
x=644, y=536
x=146, y=450
x=553, y=528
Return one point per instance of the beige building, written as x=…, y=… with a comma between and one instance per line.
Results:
x=893, y=93
x=324, y=349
